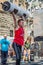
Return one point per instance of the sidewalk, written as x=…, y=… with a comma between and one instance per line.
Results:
x=12, y=61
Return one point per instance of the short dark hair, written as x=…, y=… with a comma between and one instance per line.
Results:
x=20, y=20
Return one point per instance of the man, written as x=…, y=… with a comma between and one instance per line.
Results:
x=18, y=41
x=4, y=49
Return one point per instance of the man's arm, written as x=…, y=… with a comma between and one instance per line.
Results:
x=14, y=17
x=8, y=42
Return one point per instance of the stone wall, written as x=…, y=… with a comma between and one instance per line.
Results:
x=6, y=23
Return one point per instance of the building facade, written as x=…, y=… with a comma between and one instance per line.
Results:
x=6, y=20
x=6, y=24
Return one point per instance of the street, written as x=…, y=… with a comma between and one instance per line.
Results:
x=12, y=62
x=40, y=63
x=26, y=63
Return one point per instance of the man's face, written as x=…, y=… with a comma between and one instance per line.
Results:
x=5, y=36
x=21, y=23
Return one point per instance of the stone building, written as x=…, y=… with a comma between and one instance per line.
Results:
x=6, y=24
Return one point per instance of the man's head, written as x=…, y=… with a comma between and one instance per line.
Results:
x=21, y=22
x=5, y=36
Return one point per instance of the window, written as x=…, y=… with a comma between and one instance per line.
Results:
x=11, y=33
x=28, y=0
x=21, y=1
x=19, y=4
x=11, y=1
x=15, y=0
x=27, y=5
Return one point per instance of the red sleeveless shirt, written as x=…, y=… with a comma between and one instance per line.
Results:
x=19, y=36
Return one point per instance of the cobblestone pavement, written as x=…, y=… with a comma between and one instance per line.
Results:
x=12, y=62
x=32, y=63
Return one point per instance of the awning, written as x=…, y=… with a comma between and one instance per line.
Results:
x=38, y=38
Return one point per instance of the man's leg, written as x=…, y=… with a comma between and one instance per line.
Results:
x=17, y=50
x=5, y=57
x=2, y=57
x=19, y=53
